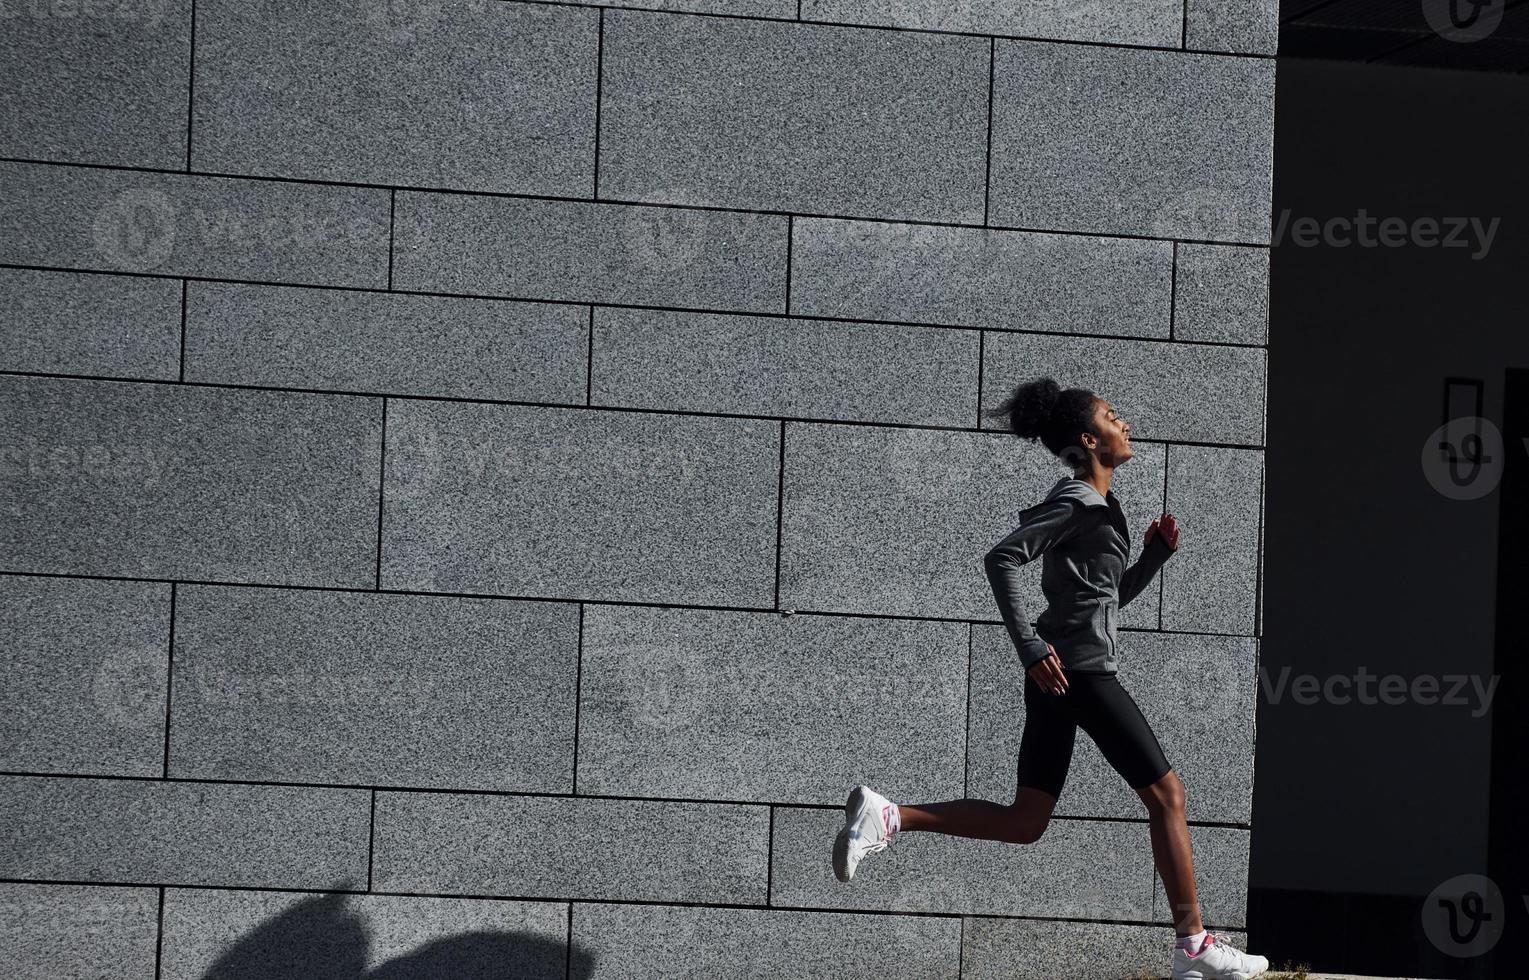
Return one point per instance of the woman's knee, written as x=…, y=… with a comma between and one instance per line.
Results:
x=1026, y=828
x=1164, y=796
x=1030, y=814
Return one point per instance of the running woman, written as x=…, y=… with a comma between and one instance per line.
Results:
x=1081, y=535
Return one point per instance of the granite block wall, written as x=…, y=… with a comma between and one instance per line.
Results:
x=483, y=479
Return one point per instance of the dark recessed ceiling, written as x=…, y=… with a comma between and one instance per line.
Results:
x=1398, y=32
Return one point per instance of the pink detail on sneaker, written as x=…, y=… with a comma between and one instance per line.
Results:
x=1192, y=949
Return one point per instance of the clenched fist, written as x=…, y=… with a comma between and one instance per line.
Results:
x=1167, y=527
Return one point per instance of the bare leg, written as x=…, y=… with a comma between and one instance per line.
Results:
x=1021, y=822
x=1170, y=851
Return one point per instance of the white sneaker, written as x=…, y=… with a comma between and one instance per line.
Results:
x=867, y=822
x=1217, y=961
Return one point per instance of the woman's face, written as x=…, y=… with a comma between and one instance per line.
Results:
x=1114, y=445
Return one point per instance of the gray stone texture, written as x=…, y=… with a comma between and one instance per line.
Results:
x=934, y=873
x=1210, y=586
x=662, y=942
x=1154, y=23
x=334, y=340
x=98, y=83
x=177, y=225
x=1221, y=877
x=1166, y=391
x=130, y=831
x=1037, y=949
x=1238, y=26
x=577, y=503
x=563, y=847
x=1222, y=294
x=1129, y=141
x=78, y=932
x=311, y=686
x=779, y=9
x=105, y=326
x=215, y=933
x=466, y=94
x=1263, y=511
x=169, y=481
x=526, y=460
x=1004, y=280
x=806, y=118
x=890, y=521
x=581, y=252
x=83, y=668
x=777, y=366
x=724, y=705
x=1197, y=692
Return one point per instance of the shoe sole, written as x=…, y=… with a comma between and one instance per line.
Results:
x=852, y=807
x=1198, y=975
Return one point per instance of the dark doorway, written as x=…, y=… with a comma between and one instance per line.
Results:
x=1507, y=847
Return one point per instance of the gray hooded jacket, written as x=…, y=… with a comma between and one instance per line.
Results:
x=1085, y=543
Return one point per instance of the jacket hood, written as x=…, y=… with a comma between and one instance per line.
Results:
x=1072, y=488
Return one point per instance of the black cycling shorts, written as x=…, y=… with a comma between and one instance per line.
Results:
x=1101, y=707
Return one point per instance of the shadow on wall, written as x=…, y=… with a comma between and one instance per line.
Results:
x=320, y=939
